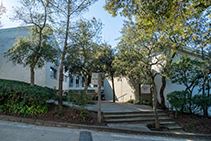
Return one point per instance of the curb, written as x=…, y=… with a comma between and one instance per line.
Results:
x=101, y=128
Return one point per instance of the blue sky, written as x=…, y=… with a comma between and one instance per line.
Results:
x=111, y=25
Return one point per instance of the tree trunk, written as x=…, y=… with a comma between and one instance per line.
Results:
x=32, y=76
x=85, y=84
x=162, y=99
x=99, y=98
x=112, y=80
x=63, y=57
x=154, y=99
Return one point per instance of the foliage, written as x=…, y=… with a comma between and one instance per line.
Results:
x=65, y=11
x=21, y=98
x=82, y=56
x=147, y=102
x=40, y=46
x=79, y=99
x=175, y=22
x=106, y=60
x=201, y=101
x=187, y=72
x=135, y=101
x=179, y=100
x=138, y=57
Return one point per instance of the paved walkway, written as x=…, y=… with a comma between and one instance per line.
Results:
x=107, y=106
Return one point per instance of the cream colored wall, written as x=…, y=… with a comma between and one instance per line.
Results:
x=124, y=90
x=16, y=72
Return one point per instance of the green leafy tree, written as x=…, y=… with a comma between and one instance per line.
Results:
x=138, y=55
x=40, y=46
x=187, y=72
x=106, y=59
x=65, y=11
x=2, y=11
x=201, y=41
x=170, y=19
x=83, y=54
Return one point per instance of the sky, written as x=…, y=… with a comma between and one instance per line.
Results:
x=111, y=26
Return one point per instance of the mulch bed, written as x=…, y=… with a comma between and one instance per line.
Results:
x=68, y=115
x=152, y=127
x=192, y=123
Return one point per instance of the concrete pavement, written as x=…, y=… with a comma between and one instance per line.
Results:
x=14, y=131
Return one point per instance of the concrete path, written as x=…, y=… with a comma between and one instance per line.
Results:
x=14, y=131
x=107, y=106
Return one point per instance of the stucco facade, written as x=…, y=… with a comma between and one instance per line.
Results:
x=11, y=71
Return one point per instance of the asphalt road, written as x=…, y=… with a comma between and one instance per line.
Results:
x=13, y=131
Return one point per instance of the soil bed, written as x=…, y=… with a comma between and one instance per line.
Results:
x=69, y=115
x=192, y=123
x=152, y=127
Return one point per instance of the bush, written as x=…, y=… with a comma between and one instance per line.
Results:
x=201, y=101
x=147, y=102
x=133, y=101
x=78, y=98
x=22, y=98
x=179, y=100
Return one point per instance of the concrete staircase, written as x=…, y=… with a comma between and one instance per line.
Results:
x=143, y=117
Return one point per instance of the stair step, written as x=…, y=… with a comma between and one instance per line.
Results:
x=176, y=127
x=136, y=119
x=133, y=115
x=135, y=112
x=168, y=123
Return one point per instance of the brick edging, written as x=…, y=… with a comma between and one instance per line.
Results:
x=103, y=128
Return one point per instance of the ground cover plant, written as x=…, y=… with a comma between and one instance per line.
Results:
x=21, y=98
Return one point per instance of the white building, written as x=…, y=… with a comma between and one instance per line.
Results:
x=47, y=76
x=125, y=89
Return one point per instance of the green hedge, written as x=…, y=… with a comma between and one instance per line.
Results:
x=22, y=98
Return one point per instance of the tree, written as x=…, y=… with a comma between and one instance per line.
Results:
x=201, y=41
x=106, y=59
x=66, y=10
x=138, y=56
x=83, y=55
x=2, y=11
x=170, y=19
x=187, y=72
x=40, y=46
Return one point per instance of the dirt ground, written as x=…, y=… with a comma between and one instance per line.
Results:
x=192, y=123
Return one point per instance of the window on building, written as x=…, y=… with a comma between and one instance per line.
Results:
x=77, y=81
x=53, y=73
x=71, y=82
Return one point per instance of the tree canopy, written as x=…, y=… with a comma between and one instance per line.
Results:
x=82, y=55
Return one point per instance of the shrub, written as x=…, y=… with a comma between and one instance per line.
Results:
x=179, y=100
x=78, y=98
x=200, y=102
x=133, y=101
x=147, y=102
x=22, y=98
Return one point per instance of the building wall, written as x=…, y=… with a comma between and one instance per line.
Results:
x=16, y=72
x=124, y=89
